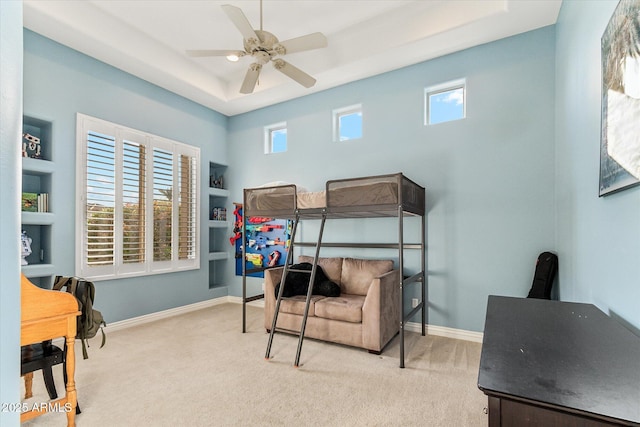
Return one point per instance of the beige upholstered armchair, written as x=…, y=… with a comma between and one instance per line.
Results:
x=366, y=314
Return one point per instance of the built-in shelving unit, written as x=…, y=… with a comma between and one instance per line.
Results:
x=37, y=177
x=219, y=223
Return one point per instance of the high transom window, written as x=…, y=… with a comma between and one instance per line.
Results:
x=445, y=102
x=347, y=123
x=275, y=138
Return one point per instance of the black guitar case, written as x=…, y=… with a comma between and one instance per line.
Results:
x=545, y=274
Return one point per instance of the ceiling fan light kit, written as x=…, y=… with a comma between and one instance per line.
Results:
x=263, y=47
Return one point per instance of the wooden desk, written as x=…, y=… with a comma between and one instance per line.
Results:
x=551, y=363
x=46, y=315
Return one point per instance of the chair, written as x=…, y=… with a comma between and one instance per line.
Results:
x=41, y=356
x=46, y=315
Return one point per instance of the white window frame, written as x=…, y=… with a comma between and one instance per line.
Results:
x=119, y=269
x=345, y=111
x=268, y=137
x=445, y=87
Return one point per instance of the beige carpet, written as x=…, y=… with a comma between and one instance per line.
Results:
x=198, y=369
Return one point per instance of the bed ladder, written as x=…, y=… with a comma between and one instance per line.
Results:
x=312, y=277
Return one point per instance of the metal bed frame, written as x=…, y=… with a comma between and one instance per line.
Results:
x=410, y=202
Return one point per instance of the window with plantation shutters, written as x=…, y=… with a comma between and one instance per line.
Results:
x=138, y=207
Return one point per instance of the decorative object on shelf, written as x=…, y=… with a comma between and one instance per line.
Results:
x=620, y=133
x=43, y=202
x=29, y=202
x=31, y=146
x=25, y=247
x=219, y=214
x=35, y=202
x=216, y=181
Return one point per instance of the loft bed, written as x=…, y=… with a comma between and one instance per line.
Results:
x=365, y=197
x=392, y=195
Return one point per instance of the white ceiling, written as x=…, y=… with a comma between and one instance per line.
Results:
x=148, y=38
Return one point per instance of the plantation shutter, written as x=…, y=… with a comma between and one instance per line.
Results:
x=162, y=204
x=100, y=200
x=134, y=184
x=187, y=214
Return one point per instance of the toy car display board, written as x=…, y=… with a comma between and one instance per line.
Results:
x=266, y=242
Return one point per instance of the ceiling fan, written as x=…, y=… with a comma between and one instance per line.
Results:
x=263, y=47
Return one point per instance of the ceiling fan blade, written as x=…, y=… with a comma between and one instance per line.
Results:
x=241, y=22
x=210, y=52
x=293, y=72
x=251, y=78
x=302, y=43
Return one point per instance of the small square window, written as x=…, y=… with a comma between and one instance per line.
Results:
x=444, y=103
x=275, y=138
x=347, y=123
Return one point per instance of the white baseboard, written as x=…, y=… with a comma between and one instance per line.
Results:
x=151, y=317
x=256, y=303
x=441, y=331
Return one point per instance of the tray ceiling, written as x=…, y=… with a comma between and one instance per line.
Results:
x=148, y=39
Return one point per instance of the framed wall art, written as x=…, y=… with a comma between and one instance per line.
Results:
x=620, y=130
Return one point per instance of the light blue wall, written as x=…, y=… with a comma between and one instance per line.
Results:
x=598, y=238
x=10, y=130
x=489, y=177
x=58, y=83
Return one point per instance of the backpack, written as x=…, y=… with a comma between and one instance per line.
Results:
x=90, y=320
x=545, y=273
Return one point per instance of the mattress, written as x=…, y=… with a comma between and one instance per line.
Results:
x=364, y=194
x=312, y=200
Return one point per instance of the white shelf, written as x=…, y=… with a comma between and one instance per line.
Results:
x=218, y=192
x=215, y=256
x=38, y=218
x=38, y=270
x=218, y=224
x=37, y=166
